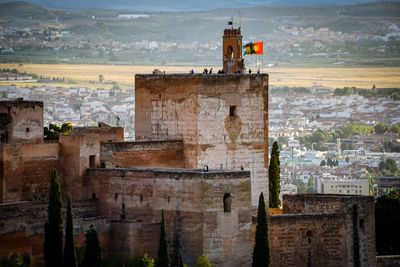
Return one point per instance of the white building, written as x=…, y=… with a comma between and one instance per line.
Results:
x=343, y=186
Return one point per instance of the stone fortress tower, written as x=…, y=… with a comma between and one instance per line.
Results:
x=222, y=119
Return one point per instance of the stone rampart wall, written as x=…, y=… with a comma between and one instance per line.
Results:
x=143, y=154
x=26, y=170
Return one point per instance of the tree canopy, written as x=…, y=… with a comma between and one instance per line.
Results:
x=163, y=255
x=92, y=253
x=274, y=172
x=54, y=225
x=53, y=131
x=261, y=248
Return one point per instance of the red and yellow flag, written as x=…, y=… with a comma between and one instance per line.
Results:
x=254, y=48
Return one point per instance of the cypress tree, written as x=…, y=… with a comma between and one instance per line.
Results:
x=54, y=225
x=274, y=177
x=69, y=246
x=92, y=254
x=163, y=257
x=261, y=248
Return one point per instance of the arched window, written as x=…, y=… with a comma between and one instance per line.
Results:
x=227, y=202
x=230, y=52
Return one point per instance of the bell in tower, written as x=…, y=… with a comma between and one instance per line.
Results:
x=232, y=51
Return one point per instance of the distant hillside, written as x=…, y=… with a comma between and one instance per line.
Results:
x=183, y=5
x=20, y=9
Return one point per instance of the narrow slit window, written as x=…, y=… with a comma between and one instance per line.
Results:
x=227, y=202
x=232, y=111
x=92, y=161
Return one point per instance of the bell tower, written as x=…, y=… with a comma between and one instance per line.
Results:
x=232, y=51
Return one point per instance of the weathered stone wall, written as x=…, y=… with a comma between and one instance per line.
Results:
x=308, y=240
x=143, y=154
x=25, y=121
x=78, y=149
x=388, y=261
x=223, y=119
x=22, y=228
x=228, y=238
x=26, y=170
x=75, y=153
x=358, y=213
x=104, y=132
x=193, y=205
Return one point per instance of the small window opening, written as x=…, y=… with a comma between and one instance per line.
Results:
x=232, y=111
x=169, y=199
x=141, y=198
x=92, y=161
x=103, y=164
x=227, y=202
x=116, y=196
x=309, y=234
x=27, y=129
x=361, y=223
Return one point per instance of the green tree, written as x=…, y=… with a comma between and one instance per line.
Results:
x=395, y=128
x=301, y=187
x=141, y=261
x=203, y=261
x=70, y=259
x=181, y=263
x=387, y=221
x=54, y=226
x=323, y=163
x=53, y=131
x=274, y=177
x=381, y=128
x=163, y=256
x=92, y=254
x=388, y=167
x=261, y=248
x=310, y=185
x=16, y=260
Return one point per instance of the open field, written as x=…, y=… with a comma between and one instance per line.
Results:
x=387, y=77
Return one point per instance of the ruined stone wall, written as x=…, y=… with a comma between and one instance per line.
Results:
x=26, y=170
x=359, y=220
x=308, y=240
x=22, y=228
x=143, y=154
x=194, y=210
x=25, y=121
x=223, y=119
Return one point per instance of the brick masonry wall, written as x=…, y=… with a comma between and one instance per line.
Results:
x=143, y=154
